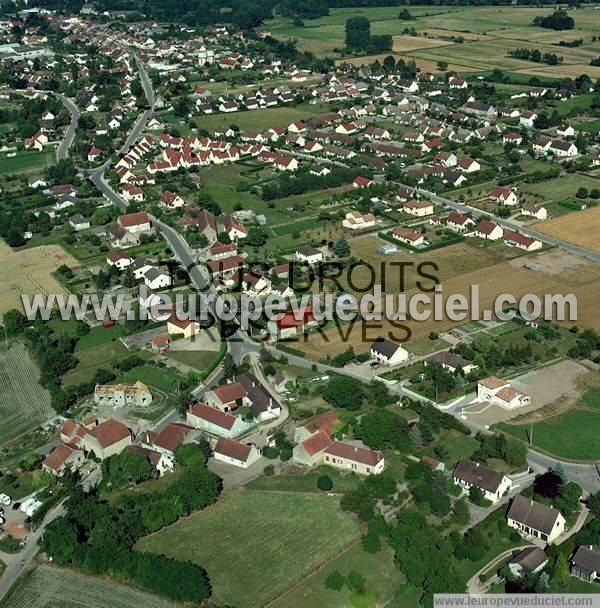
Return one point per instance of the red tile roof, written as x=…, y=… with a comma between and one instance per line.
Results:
x=110, y=432
x=322, y=422
x=58, y=457
x=230, y=392
x=355, y=453
x=234, y=449
x=172, y=436
x=317, y=443
x=212, y=415
x=134, y=219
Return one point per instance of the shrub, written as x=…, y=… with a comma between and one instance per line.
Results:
x=324, y=483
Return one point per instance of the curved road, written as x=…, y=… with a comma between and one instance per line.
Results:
x=21, y=560
x=62, y=152
x=240, y=344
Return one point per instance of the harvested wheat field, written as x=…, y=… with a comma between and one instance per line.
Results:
x=492, y=281
x=581, y=228
x=29, y=271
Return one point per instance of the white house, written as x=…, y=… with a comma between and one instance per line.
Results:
x=387, y=352
x=493, y=484
x=538, y=211
x=154, y=278
x=532, y=519
x=489, y=230
x=500, y=392
x=504, y=196
x=357, y=221
x=309, y=255
x=235, y=453
x=215, y=422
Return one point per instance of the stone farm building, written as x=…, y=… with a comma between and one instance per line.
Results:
x=119, y=395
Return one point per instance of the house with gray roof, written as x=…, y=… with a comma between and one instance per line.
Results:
x=531, y=519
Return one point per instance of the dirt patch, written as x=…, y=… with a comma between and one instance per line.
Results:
x=30, y=271
x=553, y=389
x=572, y=269
x=570, y=392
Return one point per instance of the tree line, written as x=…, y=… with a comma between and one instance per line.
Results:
x=99, y=538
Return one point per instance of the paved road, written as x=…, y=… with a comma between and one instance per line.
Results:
x=62, y=152
x=241, y=344
x=540, y=236
x=22, y=560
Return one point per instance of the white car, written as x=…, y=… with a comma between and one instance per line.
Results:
x=5, y=499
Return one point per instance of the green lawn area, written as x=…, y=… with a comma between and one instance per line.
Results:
x=382, y=582
x=102, y=356
x=198, y=359
x=256, y=120
x=593, y=126
x=306, y=482
x=572, y=434
x=456, y=445
x=303, y=224
x=26, y=162
x=24, y=484
x=563, y=187
x=254, y=544
x=99, y=335
x=158, y=377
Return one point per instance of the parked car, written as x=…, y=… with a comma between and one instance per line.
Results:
x=16, y=506
x=5, y=499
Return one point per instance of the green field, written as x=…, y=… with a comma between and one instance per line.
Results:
x=26, y=162
x=572, y=434
x=456, y=444
x=306, y=482
x=593, y=126
x=382, y=583
x=488, y=32
x=255, y=545
x=198, y=359
x=256, y=120
x=49, y=587
x=24, y=404
x=104, y=356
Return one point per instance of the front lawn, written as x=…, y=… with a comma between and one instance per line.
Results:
x=572, y=434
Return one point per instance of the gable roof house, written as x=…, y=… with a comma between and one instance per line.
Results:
x=170, y=438
x=227, y=398
x=235, y=453
x=532, y=519
x=498, y=391
x=262, y=404
x=493, y=484
x=214, y=421
x=62, y=457
x=387, y=352
x=532, y=559
x=504, y=196
x=108, y=438
x=327, y=421
x=486, y=229
x=585, y=563
x=459, y=221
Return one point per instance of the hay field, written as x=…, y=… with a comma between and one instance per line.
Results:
x=493, y=280
x=29, y=271
x=580, y=227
